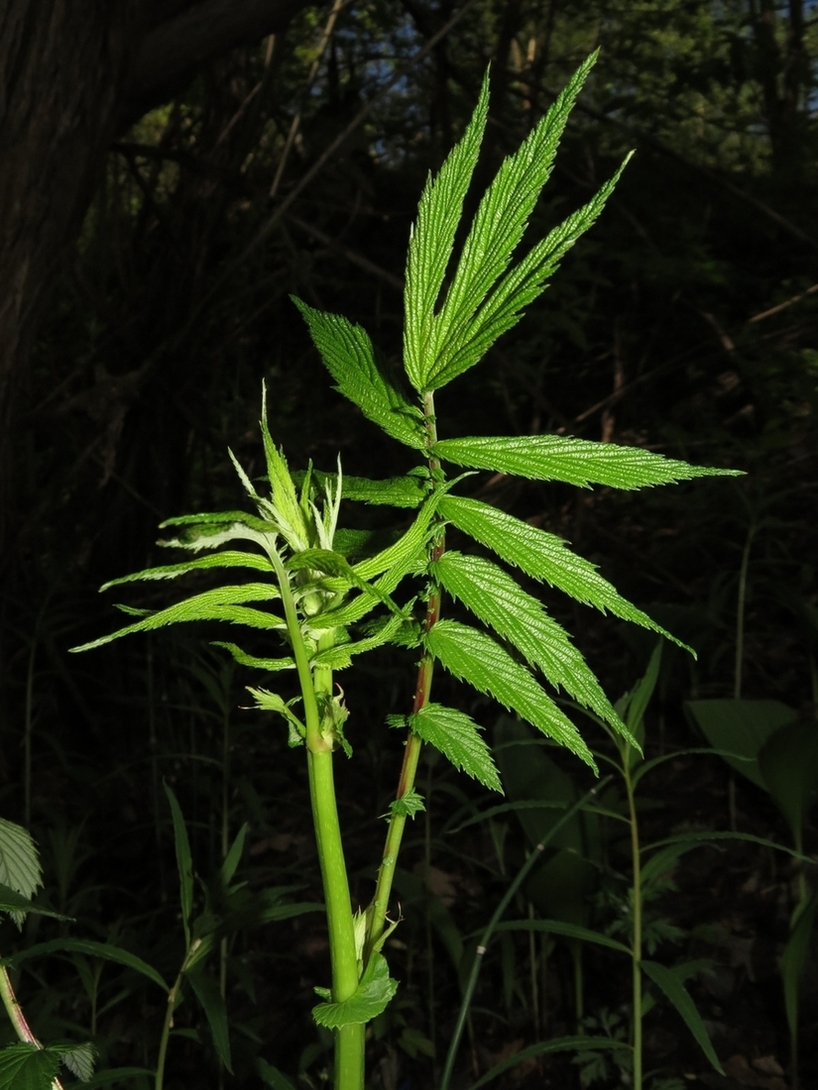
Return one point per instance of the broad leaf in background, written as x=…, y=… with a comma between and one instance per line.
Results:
x=740, y=727
x=678, y=995
x=26, y=1067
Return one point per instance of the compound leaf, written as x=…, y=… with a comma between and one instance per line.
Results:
x=497, y=229
x=26, y=1067
x=432, y=239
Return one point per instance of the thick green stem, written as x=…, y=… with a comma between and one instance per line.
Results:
x=636, y=949
x=316, y=689
x=411, y=754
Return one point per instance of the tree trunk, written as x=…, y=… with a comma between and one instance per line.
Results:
x=73, y=75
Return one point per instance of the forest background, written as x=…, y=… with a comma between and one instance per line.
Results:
x=683, y=323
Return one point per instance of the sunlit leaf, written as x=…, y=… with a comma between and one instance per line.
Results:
x=218, y=604
x=226, y=559
x=350, y=358
x=431, y=241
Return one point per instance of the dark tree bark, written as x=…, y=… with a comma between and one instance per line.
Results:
x=73, y=75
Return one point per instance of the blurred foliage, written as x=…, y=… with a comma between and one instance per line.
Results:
x=685, y=323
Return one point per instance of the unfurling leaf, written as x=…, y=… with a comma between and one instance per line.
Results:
x=407, y=805
x=373, y=995
x=457, y=737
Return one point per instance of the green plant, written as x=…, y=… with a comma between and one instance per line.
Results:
x=326, y=587
x=562, y=885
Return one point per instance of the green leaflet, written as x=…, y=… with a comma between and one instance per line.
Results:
x=485, y=665
x=230, y=558
x=504, y=307
x=575, y=461
x=20, y=868
x=432, y=239
x=543, y=556
x=477, y=308
x=79, y=1059
x=493, y=596
x=405, y=550
x=272, y=665
x=340, y=656
x=349, y=357
x=406, y=491
x=218, y=604
x=373, y=995
x=456, y=736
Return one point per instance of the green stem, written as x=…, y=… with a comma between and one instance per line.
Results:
x=320, y=738
x=17, y=1018
x=636, y=949
x=411, y=754
x=167, y=1025
x=482, y=946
